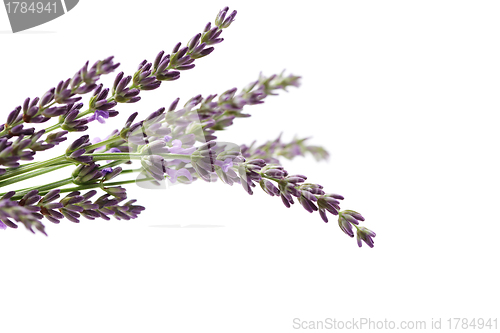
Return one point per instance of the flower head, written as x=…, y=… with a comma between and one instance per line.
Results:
x=365, y=235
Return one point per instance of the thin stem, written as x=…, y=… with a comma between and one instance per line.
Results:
x=63, y=182
x=35, y=166
x=11, y=172
x=22, y=167
x=128, y=156
x=30, y=175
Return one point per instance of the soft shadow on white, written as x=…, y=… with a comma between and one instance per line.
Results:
x=27, y=32
x=200, y=226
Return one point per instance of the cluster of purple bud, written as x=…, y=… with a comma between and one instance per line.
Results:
x=93, y=173
x=272, y=149
x=25, y=147
x=122, y=93
x=11, y=212
x=219, y=114
x=166, y=67
x=99, y=101
x=32, y=208
x=147, y=77
x=275, y=181
x=172, y=131
x=77, y=149
x=350, y=218
x=40, y=110
x=223, y=21
x=84, y=81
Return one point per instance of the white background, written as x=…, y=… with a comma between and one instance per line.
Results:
x=405, y=96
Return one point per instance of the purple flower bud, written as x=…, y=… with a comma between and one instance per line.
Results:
x=55, y=111
x=47, y=97
x=151, y=86
x=77, y=153
x=168, y=76
x=14, y=116
x=118, y=78
x=230, y=19
x=134, y=99
x=207, y=27
x=123, y=83
x=56, y=138
x=163, y=65
x=194, y=41
x=365, y=235
x=185, y=67
x=78, y=143
x=345, y=226
x=176, y=47
x=109, y=173
x=220, y=17
x=173, y=105
x=158, y=59
x=207, y=51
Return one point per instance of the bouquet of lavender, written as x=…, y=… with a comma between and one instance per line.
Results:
x=174, y=145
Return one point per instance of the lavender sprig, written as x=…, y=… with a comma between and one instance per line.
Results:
x=166, y=143
x=275, y=181
x=270, y=151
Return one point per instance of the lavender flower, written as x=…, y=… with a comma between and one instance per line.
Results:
x=12, y=210
x=177, y=148
x=365, y=235
x=173, y=174
x=100, y=115
x=176, y=144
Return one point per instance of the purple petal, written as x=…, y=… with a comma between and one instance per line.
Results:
x=185, y=173
x=95, y=140
x=107, y=170
x=172, y=173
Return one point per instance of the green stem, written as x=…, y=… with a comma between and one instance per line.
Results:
x=11, y=172
x=42, y=190
x=35, y=166
x=23, y=167
x=39, y=172
x=128, y=156
x=63, y=182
